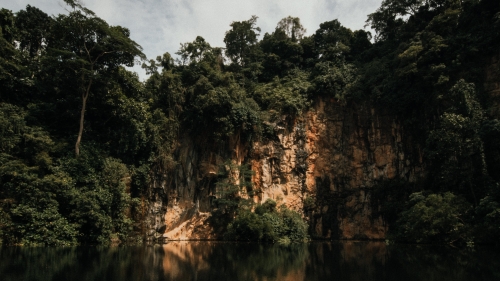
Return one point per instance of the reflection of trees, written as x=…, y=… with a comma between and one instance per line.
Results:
x=346, y=260
x=82, y=263
x=233, y=261
x=375, y=261
x=24, y=263
x=262, y=261
x=251, y=261
x=434, y=262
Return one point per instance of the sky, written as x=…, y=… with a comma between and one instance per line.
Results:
x=160, y=26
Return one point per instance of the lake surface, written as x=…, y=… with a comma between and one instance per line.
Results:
x=350, y=260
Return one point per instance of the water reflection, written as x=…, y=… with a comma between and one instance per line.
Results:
x=250, y=261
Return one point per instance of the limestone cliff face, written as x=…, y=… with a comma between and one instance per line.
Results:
x=323, y=164
x=330, y=161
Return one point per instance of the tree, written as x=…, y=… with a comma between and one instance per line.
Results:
x=434, y=218
x=33, y=26
x=194, y=51
x=281, y=54
x=456, y=148
x=292, y=28
x=11, y=69
x=392, y=15
x=7, y=25
x=332, y=40
x=89, y=47
x=234, y=184
x=288, y=95
x=388, y=18
x=240, y=38
x=332, y=79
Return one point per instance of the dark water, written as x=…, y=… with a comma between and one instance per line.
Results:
x=240, y=261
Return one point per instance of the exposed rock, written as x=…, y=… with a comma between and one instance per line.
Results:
x=332, y=154
x=193, y=227
x=335, y=154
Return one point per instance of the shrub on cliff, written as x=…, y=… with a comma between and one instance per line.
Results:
x=268, y=224
x=434, y=218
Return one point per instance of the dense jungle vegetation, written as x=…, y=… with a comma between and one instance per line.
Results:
x=80, y=135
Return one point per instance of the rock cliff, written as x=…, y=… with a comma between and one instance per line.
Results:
x=323, y=164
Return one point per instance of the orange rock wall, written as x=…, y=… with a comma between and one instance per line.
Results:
x=332, y=156
x=335, y=154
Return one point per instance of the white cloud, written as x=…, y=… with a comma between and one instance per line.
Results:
x=160, y=25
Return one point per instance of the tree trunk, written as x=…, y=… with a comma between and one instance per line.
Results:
x=82, y=117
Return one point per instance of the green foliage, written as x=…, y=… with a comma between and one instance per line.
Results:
x=332, y=40
x=268, y=224
x=240, y=38
x=40, y=225
x=248, y=226
x=309, y=203
x=30, y=191
x=12, y=71
x=11, y=126
x=488, y=213
x=423, y=52
x=219, y=107
x=233, y=187
x=33, y=27
x=288, y=95
x=267, y=207
x=8, y=30
x=333, y=80
x=99, y=203
x=294, y=226
x=280, y=53
x=90, y=49
x=434, y=218
x=292, y=28
x=456, y=147
x=195, y=51
x=233, y=192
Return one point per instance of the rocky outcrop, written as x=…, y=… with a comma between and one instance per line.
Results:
x=327, y=164
x=323, y=164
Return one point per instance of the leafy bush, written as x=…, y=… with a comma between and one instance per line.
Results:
x=434, y=218
x=268, y=224
x=333, y=79
x=248, y=226
x=267, y=207
x=288, y=95
x=40, y=225
x=293, y=226
x=488, y=213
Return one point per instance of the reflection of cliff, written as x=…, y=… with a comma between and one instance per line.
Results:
x=330, y=158
x=227, y=261
x=183, y=260
x=363, y=261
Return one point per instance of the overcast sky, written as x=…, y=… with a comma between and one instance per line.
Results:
x=159, y=26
